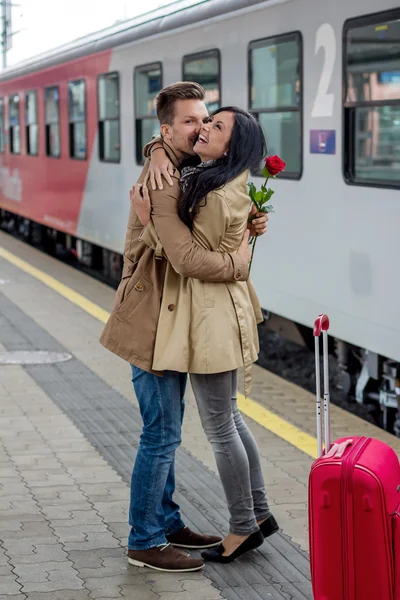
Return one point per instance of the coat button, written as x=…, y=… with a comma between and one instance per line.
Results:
x=171, y=307
x=139, y=287
x=238, y=275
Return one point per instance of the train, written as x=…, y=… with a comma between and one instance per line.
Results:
x=322, y=78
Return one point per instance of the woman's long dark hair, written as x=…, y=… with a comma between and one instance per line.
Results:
x=246, y=151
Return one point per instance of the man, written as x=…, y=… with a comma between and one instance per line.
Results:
x=157, y=530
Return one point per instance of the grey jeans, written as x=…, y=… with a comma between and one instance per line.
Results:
x=235, y=450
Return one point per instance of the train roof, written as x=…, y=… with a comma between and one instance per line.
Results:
x=167, y=18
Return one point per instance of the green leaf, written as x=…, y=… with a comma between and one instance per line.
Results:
x=265, y=172
x=259, y=197
x=267, y=208
x=267, y=196
x=252, y=190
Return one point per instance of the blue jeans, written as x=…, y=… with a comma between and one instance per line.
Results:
x=152, y=513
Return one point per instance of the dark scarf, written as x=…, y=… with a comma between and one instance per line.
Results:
x=191, y=171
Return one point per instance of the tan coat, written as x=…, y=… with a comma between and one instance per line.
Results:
x=130, y=332
x=206, y=327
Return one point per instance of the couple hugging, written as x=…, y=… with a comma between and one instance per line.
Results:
x=185, y=305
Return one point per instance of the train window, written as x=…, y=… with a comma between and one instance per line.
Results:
x=109, y=117
x=205, y=68
x=147, y=84
x=52, y=120
x=77, y=119
x=1, y=125
x=14, y=125
x=275, y=96
x=372, y=100
x=31, y=124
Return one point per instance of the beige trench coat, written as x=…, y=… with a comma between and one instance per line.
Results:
x=206, y=327
x=130, y=331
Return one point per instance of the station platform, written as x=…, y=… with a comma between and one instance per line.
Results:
x=69, y=429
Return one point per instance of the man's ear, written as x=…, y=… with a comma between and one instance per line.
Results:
x=165, y=130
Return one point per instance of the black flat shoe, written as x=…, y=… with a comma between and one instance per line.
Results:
x=269, y=527
x=216, y=554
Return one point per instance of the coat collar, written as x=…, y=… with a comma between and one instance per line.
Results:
x=175, y=156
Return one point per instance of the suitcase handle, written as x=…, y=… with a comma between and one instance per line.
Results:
x=338, y=450
x=322, y=325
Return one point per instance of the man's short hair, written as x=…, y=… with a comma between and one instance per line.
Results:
x=183, y=90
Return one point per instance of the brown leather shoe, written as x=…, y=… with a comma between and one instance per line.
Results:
x=185, y=538
x=165, y=558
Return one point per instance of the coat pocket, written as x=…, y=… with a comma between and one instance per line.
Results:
x=134, y=292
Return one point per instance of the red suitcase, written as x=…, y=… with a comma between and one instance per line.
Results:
x=353, y=509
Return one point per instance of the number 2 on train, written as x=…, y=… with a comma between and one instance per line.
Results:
x=324, y=101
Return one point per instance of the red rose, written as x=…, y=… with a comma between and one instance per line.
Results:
x=274, y=165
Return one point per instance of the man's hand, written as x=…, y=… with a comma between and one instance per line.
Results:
x=160, y=166
x=244, y=249
x=258, y=226
x=140, y=200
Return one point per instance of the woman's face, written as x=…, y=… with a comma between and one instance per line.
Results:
x=214, y=136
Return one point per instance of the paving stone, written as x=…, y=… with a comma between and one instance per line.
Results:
x=113, y=426
x=120, y=530
x=35, y=529
x=59, y=506
x=93, y=558
x=9, y=473
x=111, y=507
x=37, y=463
x=16, y=503
x=108, y=587
x=258, y=593
x=15, y=540
x=94, y=541
x=60, y=496
x=8, y=585
x=28, y=554
x=9, y=489
x=30, y=574
x=61, y=481
x=209, y=594
x=58, y=595
x=162, y=583
x=14, y=509
x=77, y=518
x=12, y=480
x=59, y=513
x=106, y=567
x=27, y=518
x=141, y=592
x=39, y=571
x=105, y=489
x=300, y=592
x=4, y=559
x=32, y=475
x=11, y=525
x=78, y=533
x=57, y=580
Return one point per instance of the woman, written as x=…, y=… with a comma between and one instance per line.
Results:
x=210, y=330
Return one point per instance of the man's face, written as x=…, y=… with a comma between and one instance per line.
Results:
x=184, y=131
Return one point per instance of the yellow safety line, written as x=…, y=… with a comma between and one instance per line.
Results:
x=86, y=305
x=264, y=417
x=283, y=429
